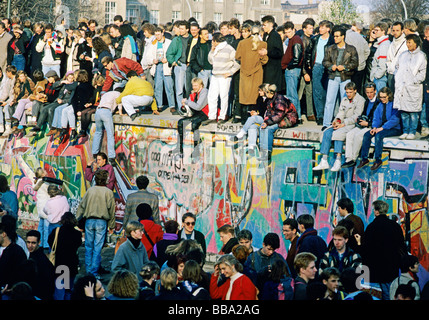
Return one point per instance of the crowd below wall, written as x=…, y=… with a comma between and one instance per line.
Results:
x=355, y=82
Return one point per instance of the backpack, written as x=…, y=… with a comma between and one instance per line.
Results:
x=286, y=288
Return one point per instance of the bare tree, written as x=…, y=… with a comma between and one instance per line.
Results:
x=394, y=9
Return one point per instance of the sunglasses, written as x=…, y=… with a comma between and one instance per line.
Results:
x=190, y=223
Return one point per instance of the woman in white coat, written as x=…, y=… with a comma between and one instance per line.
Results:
x=409, y=76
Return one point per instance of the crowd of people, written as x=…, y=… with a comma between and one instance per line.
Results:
x=167, y=261
x=258, y=73
x=355, y=82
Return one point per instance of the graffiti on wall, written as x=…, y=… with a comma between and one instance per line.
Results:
x=223, y=185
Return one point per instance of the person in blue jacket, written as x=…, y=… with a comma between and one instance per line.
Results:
x=386, y=123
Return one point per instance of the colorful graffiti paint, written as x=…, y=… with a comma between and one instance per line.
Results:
x=223, y=185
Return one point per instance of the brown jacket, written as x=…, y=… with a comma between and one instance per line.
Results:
x=251, y=73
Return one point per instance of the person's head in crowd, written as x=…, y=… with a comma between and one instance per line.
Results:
x=217, y=39
x=270, y=244
x=134, y=229
x=144, y=211
x=370, y=90
x=228, y=265
x=8, y=230
x=405, y=292
x=82, y=287
x=101, y=177
x=348, y=279
x=316, y=290
x=305, y=222
x=150, y=271
x=4, y=184
x=171, y=226
x=245, y=238
x=241, y=252
x=124, y=284
x=159, y=34
x=340, y=237
x=188, y=222
x=380, y=207
x=54, y=190
x=226, y=232
x=409, y=263
x=68, y=219
x=305, y=265
x=142, y=182
x=148, y=30
x=99, y=45
x=410, y=26
x=381, y=29
x=246, y=30
x=183, y=28
x=92, y=25
x=169, y=278
x=278, y=271
x=331, y=279
x=289, y=29
x=22, y=291
x=38, y=75
x=11, y=71
x=98, y=80
x=397, y=29
x=192, y=272
x=101, y=159
x=345, y=207
x=308, y=27
x=115, y=31
x=268, y=23
x=234, y=26
x=413, y=42
x=82, y=76
x=290, y=229
x=270, y=91
x=194, y=29
x=223, y=28
x=339, y=34
x=118, y=20
x=32, y=240
x=49, y=30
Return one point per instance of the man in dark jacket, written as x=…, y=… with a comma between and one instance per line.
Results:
x=309, y=241
x=199, y=62
x=292, y=63
x=44, y=284
x=383, y=246
x=341, y=60
x=188, y=231
x=272, y=69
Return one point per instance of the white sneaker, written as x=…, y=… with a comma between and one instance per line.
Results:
x=322, y=165
x=1, y=128
x=337, y=166
x=410, y=136
x=403, y=136
x=241, y=134
x=424, y=132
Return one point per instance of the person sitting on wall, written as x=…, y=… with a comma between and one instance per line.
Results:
x=138, y=93
x=195, y=111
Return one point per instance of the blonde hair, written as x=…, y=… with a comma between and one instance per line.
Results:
x=256, y=40
x=38, y=173
x=199, y=81
x=133, y=226
x=169, y=278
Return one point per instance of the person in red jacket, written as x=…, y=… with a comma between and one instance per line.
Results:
x=152, y=231
x=237, y=285
x=116, y=72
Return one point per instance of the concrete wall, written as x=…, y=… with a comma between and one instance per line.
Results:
x=223, y=186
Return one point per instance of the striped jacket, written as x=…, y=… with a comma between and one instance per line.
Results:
x=331, y=259
x=223, y=60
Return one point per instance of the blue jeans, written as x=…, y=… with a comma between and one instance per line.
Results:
x=205, y=75
x=252, y=128
x=378, y=142
x=43, y=228
x=410, y=121
x=95, y=233
x=423, y=119
x=56, y=121
x=380, y=83
x=160, y=81
x=266, y=137
x=180, y=83
x=104, y=121
x=326, y=143
x=334, y=86
x=292, y=78
x=19, y=62
x=319, y=90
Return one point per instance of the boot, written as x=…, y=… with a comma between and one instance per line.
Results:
x=8, y=131
x=52, y=131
